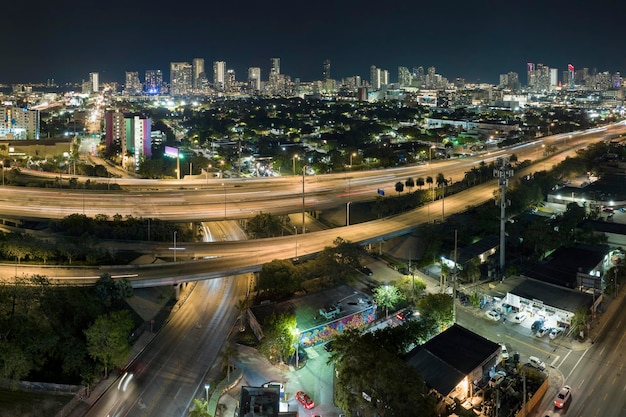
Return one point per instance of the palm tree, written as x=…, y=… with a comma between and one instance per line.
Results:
x=228, y=356
x=429, y=181
x=242, y=307
x=409, y=183
x=441, y=180
x=419, y=182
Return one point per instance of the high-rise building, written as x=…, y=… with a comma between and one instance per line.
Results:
x=180, y=78
x=154, y=82
x=275, y=66
x=198, y=73
x=133, y=133
x=94, y=81
x=19, y=123
x=554, y=77
x=404, y=76
x=132, y=85
x=254, y=78
x=230, y=80
x=326, y=70
x=219, y=75
x=375, y=77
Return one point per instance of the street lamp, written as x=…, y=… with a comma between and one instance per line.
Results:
x=296, y=230
x=224, y=188
x=348, y=213
x=303, y=172
x=206, y=387
x=294, y=163
x=175, y=233
x=297, y=347
x=351, y=155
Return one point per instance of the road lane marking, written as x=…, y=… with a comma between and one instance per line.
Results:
x=564, y=357
x=575, y=366
x=547, y=352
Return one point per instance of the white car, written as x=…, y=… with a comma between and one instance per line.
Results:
x=497, y=379
x=520, y=317
x=561, y=398
x=504, y=351
x=555, y=332
x=493, y=315
x=537, y=363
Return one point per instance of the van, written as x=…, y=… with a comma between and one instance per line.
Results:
x=535, y=362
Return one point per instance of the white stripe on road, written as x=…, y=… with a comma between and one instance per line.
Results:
x=581, y=358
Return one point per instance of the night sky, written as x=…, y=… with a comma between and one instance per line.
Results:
x=475, y=39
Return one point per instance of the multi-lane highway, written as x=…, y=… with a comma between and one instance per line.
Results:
x=217, y=259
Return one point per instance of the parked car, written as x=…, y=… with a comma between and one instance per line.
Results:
x=305, y=400
x=493, y=315
x=542, y=332
x=537, y=363
x=537, y=324
x=497, y=379
x=563, y=396
x=555, y=332
x=504, y=352
x=520, y=317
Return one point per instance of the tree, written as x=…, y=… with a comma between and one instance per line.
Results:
x=387, y=296
x=372, y=379
x=108, y=339
x=264, y=225
x=580, y=322
x=429, y=181
x=279, y=278
x=441, y=180
x=200, y=408
x=399, y=187
x=409, y=183
x=242, y=307
x=439, y=307
x=279, y=337
x=419, y=182
x=228, y=356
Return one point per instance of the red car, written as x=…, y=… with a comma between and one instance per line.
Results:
x=305, y=400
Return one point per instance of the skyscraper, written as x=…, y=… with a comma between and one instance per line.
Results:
x=219, y=75
x=198, y=73
x=132, y=85
x=153, y=82
x=326, y=70
x=180, y=78
x=254, y=78
x=375, y=77
x=94, y=81
x=275, y=66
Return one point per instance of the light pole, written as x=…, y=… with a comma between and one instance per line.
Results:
x=2, y=163
x=294, y=163
x=175, y=233
x=351, y=155
x=297, y=347
x=224, y=188
x=296, y=230
x=348, y=213
x=206, y=387
x=207, y=173
x=303, y=172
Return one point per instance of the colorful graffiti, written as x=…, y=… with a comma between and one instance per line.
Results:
x=328, y=331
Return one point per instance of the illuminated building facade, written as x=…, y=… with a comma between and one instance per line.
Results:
x=180, y=78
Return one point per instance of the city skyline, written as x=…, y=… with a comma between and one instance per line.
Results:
x=475, y=41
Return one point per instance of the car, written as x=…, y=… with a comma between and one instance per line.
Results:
x=404, y=315
x=537, y=363
x=493, y=315
x=562, y=396
x=520, y=317
x=497, y=378
x=279, y=385
x=542, y=332
x=504, y=352
x=537, y=324
x=555, y=332
x=366, y=271
x=305, y=400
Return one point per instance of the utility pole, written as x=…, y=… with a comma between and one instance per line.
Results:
x=454, y=277
x=502, y=172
